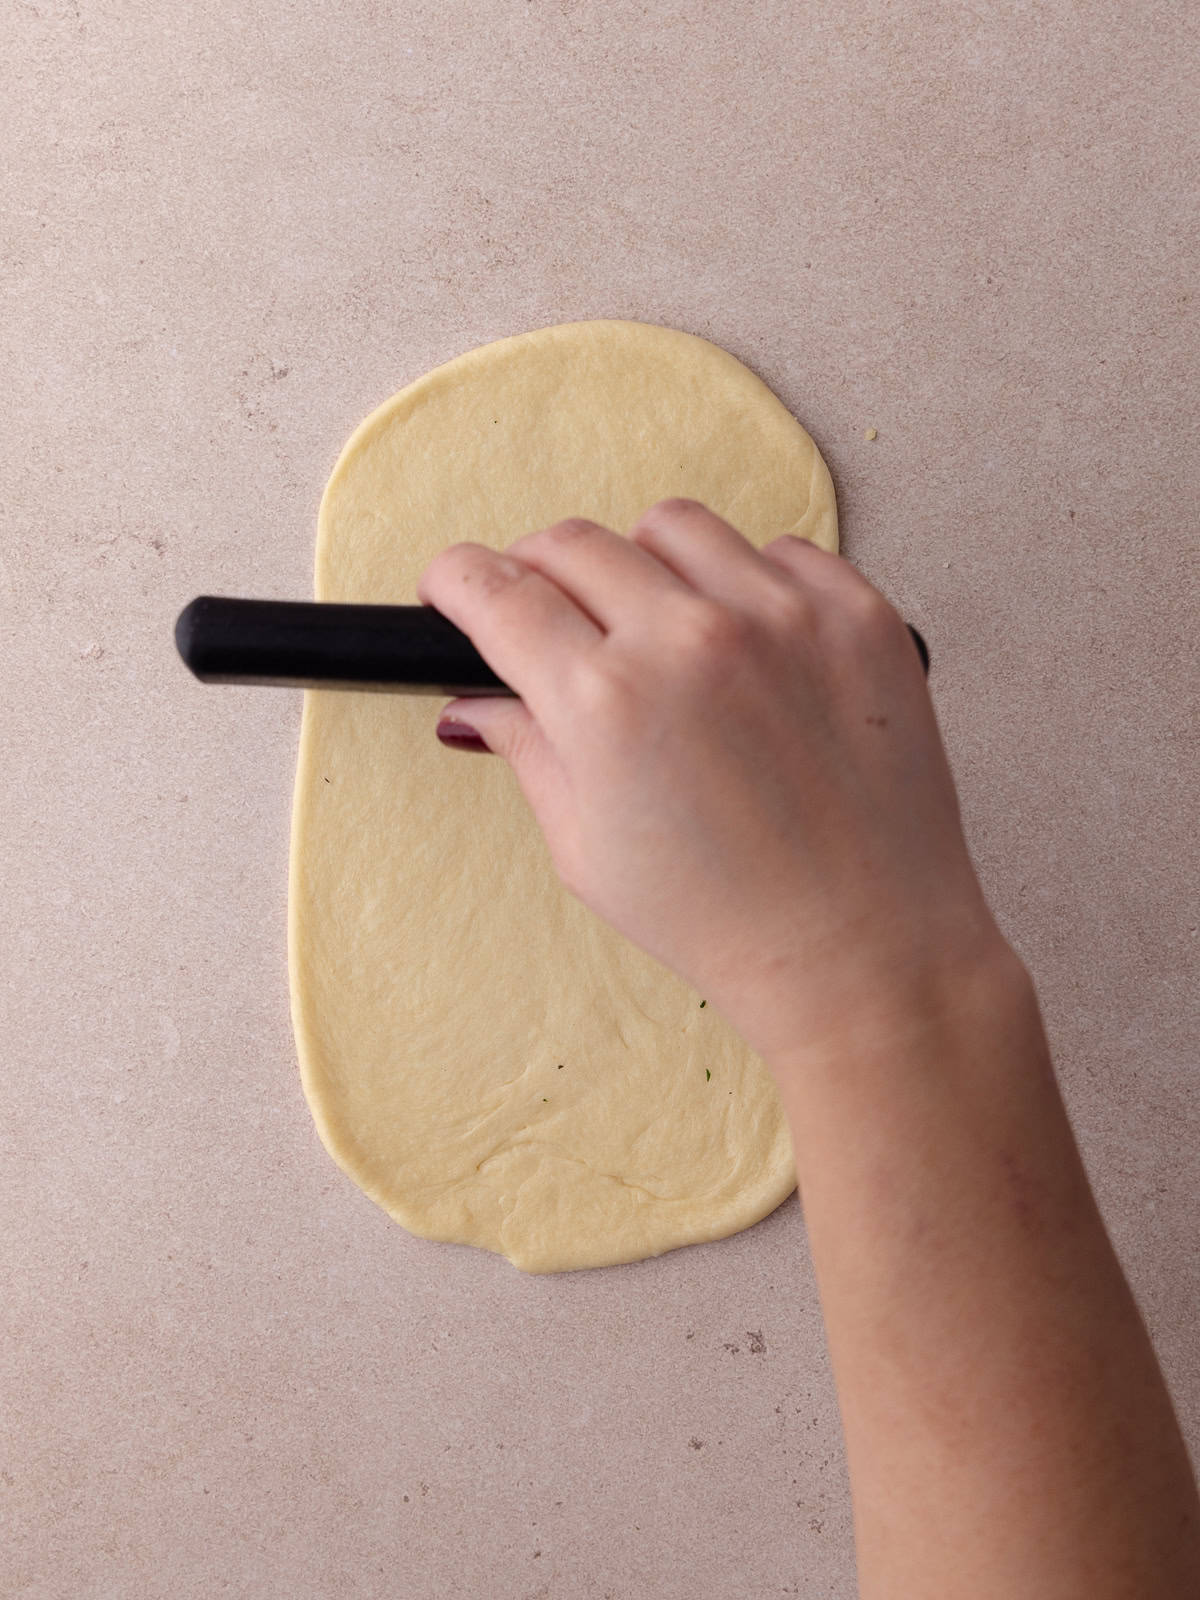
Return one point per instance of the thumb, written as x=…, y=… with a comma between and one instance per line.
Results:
x=480, y=723
x=504, y=727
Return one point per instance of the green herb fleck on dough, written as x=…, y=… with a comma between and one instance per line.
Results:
x=703, y=1003
x=707, y=1075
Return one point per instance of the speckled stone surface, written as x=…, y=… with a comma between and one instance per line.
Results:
x=228, y=233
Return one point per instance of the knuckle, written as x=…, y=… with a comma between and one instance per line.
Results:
x=789, y=610
x=873, y=624
x=494, y=575
x=708, y=631
x=672, y=509
x=447, y=562
x=678, y=505
x=871, y=613
x=463, y=570
x=601, y=696
x=706, y=645
x=790, y=556
x=570, y=529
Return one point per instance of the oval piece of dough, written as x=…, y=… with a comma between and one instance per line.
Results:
x=485, y=1058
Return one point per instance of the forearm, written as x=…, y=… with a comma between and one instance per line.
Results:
x=1007, y=1427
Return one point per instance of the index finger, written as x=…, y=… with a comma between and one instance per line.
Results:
x=524, y=626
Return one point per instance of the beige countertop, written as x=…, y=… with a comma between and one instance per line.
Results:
x=229, y=232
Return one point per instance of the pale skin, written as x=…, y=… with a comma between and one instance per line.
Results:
x=735, y=761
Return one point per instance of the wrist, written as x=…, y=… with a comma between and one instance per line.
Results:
x=917, y=1005
x=957, y=1058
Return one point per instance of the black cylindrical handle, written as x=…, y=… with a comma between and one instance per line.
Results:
x=306, y=644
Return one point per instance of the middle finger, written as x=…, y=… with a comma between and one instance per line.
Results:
x=613, y=580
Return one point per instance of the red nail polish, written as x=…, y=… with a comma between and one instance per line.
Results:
x=459, y=736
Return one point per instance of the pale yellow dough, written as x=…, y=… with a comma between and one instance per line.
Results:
x=482, y=1055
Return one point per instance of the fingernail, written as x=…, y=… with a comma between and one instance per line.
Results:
x=459, y=736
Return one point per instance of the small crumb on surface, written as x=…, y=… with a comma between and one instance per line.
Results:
x=871, y=433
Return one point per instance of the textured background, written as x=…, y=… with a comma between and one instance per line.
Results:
x=228, y=232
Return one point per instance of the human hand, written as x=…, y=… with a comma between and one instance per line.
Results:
x=733, y=757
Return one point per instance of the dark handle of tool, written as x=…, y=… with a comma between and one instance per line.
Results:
x=302, y=644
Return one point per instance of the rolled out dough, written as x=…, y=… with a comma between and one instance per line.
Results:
x=486, y=1059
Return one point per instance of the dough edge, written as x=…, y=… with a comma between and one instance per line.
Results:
x=756, y=1201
